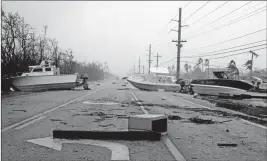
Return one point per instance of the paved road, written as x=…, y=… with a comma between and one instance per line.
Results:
x=34, y=116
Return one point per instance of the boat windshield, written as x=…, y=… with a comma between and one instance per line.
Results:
x=220, y=75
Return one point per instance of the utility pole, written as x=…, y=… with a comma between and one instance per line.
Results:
x=149, y=61
x=179, y=45
x=139, y=65
x=143, y=69
x=43, y=43
x=134, y=69
x=252, y=53
x=157, y=59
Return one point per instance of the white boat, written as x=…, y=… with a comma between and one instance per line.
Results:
x=262, y=85
x=221, y=86
x=158, y=79
x=44, y=77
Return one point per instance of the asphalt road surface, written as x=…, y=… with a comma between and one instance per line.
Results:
x=28, y=121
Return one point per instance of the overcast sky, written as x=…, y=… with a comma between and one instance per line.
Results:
x=120, y=32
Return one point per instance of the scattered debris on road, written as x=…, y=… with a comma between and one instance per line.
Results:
x=125, y=105
x=55, y=120
x=63, y=123
x=20, y=110
x=227, y=144
x=107, y=125
x=174, y=117
x=198, y=120
x=163, y=98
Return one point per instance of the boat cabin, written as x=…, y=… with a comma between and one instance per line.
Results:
x=221, y=75
x=45, y=68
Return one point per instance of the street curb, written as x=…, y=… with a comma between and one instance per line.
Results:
x=106, y=135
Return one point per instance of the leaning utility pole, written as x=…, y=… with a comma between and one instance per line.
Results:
x=179, y=45
x=149, y=61
x=157, y=59
x=252, y=53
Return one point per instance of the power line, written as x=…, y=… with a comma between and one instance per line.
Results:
x=164, y=63
x=223, y=52
x=165, y=26
x=222, y=16
x=208, y=13
x=186, y=5
x=228, y=48
x=236, y=54
x=197, y=10
x=231, y=39
x=232, y=22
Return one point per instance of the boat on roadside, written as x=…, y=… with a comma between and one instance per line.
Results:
x=159, y=79
x=223, y=86
x=44, y=77
x=260, y=84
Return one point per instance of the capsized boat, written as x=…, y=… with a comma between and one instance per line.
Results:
x=158, y=79
x=44, y=77
x=221, y=86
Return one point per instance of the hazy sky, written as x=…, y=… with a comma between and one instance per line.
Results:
x=120, y=32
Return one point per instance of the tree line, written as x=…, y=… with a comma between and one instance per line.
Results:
x=21, y=47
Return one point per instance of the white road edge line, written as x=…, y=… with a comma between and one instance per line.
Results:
x=33, y=117
x=249, y=122
x=140, y=104
x=30, y=122
x=176, y=154
x=252, y=123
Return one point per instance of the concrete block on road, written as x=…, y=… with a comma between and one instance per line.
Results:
x=161, y=90
x=149, y=122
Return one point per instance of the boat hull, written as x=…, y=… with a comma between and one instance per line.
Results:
x=154, y=86
x=44, y=83
x=216, y=90
x=220, y=87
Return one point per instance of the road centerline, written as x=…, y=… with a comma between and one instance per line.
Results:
x=43, y=113
x=175, y=153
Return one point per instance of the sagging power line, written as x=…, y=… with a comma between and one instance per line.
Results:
x=230, y=39
x=224, y=52
x=222, y=17
x=232, y=21
x=196, y=11
x=216, y=9
x=228, y=48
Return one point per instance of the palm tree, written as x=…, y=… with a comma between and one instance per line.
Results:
x=249, y=63
x=186, y=68
x=233, y=69
x=173, y=68
x=190, y=68
x=207, y=63
x=200, y=61
x=169, y=69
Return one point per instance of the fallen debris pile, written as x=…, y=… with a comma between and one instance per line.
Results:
x=227, y=144
x=174, y=117
x=198, y=120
